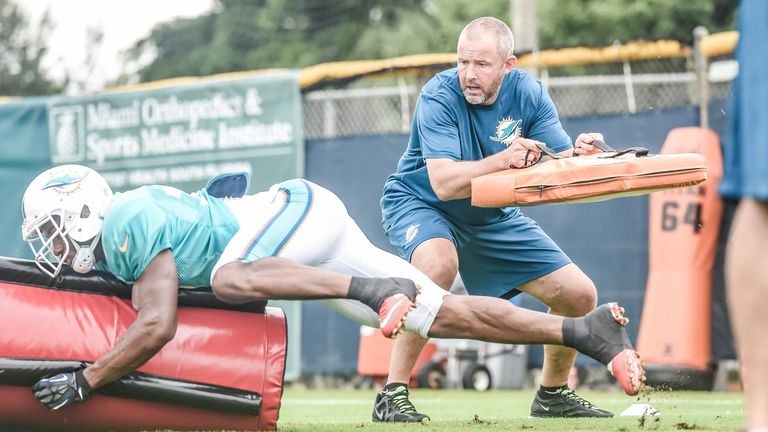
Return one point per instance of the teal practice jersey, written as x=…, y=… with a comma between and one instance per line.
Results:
x=143, y=222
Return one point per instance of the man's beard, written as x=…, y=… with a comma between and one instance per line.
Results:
x=486, y=95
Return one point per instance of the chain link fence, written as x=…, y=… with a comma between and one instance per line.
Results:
x=595, y=89
x=358, y=111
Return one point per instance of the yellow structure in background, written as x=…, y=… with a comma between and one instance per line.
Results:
x=714, y=45
x=720, y=44
x=310, y=77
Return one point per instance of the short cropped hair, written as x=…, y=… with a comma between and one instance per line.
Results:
x=495, y=27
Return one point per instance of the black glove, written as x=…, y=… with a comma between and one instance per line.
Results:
x=63, y=389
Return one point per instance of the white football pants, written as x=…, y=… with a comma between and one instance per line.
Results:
x=308, y=224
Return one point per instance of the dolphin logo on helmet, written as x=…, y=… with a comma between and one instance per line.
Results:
x=65, y=206
x=60, y=184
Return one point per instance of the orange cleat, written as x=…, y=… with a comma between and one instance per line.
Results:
x=626, y=366
x=628, y=370
x=393, y=313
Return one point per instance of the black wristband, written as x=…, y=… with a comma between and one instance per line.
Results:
x=84, y=392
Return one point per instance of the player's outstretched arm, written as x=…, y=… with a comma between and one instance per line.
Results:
x=154, y=297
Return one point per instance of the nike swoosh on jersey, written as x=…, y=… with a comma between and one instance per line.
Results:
x=124, y=247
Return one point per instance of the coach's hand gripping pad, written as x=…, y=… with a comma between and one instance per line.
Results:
x=596, y=177
x=226, y=355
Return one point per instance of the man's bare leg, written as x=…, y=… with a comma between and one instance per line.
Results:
x=747, y=288
x=600, y=334
x=437, y=259
x=281, y=279
x=495, y=320
x=406, y=347
x=570, y=293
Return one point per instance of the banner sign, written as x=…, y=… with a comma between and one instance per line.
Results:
x=184, y=135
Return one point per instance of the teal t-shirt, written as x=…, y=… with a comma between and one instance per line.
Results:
x=143, y=222
x=446, y=126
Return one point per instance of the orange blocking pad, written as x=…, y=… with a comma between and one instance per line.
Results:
x=675, y=328
x=376, y=350
x=596, y=177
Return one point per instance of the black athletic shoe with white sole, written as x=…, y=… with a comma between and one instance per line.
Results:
x=564, y=402
x=392, y=405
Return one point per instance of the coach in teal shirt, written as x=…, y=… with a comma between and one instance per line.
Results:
x=481, y=117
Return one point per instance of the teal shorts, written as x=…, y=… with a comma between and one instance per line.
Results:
x=494, y=259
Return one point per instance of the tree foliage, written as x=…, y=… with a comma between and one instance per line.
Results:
x=593, y=22
x=22, y=50
x=254, y=34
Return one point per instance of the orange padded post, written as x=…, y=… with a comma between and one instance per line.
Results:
x=675, y=329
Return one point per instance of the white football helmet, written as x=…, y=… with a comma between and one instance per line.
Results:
x=67, y=202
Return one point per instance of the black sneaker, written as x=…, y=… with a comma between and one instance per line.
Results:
x=393, y=406
x=563, y=402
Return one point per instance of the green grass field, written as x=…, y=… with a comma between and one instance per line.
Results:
x=457, y=410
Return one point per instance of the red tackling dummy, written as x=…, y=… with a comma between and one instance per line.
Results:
x=223, y=369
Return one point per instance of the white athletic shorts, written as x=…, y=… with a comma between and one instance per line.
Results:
x=303, y=222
